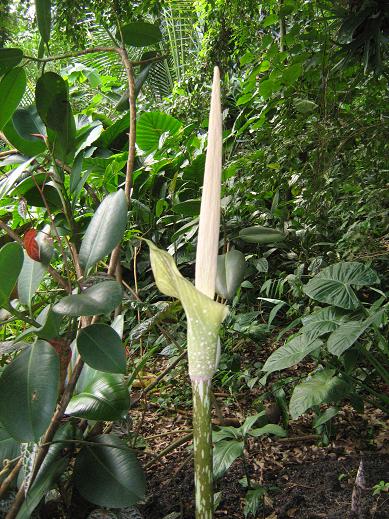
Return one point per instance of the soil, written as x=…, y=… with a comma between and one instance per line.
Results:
x=302, y=480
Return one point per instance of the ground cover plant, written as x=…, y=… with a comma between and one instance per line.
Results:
x=142, y=238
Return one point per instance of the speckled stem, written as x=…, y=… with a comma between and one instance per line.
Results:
x=202, y=443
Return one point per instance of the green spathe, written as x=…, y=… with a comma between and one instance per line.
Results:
x=204, y=315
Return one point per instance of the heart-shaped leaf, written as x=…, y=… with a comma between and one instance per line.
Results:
x=31, y=383
x=291, y=353
x=12, y=88
x=230, y=273
x=11, y=262
x=323, y=321
x=348, y=333
x=105, y=230
x=118, y=479
x=140, y=34
x=322, y=387
x=101, y=347
x=260, y=234
x=333, y=285
x=96, y=300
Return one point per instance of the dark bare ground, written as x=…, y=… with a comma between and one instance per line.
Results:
x=310, y=490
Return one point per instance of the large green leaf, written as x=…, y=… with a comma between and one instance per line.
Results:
x=260, y=234
x=323, y=321
x=20, y=128
x=118, y=127
x=230, y=273
x=291, y=353
x=224, y=454
x=43, y=16
x=105, y=230
x=27, y=122
x=11, y=262
x=52, y=102
x=118, y=479
x=140, y=34
x=105, y=397
x=9, y=58
x=269, y=428
x=96, y=300
x=31, y=383
x=320, y=388
x=333, y=285
x=151, y=126
x=348, y=333
x=30, y=278
x=12, y=88
x=101, y=347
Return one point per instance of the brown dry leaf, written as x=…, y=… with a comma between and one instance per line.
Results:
x=292, y=512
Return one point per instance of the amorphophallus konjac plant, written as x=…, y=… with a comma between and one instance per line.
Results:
x=204, y=315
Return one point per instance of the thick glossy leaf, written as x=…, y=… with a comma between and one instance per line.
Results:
x=141, y=34
x=12, y=88
x=43, y=16
x=260, y=234
x=118, y=479
x=101, y=347
x=9, y=448
x=11, y=262
x=323, y=321
x=204, y=315
x=320, y=388
x=224, y=455
x=20, y=136
x=150, y=127
x=30, y=278
x=104, y=398
x=50, y=326
x=230, y=273
x=253, y=501
x=348, y=333
x=52, y=102
x=31, y=383
x=291, y=353
x=27, y=122
x=9, y=58
x=105, y=230
x=96, y=300
x=333, y=285
x=51, y=197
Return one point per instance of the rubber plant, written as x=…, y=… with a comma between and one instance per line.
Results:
x=204, y=315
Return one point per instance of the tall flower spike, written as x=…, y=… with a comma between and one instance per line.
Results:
x=208, y=238
x=204, y=315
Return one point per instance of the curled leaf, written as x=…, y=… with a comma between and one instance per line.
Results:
x=203, y=314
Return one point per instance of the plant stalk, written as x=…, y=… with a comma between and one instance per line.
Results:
x=202, y=442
